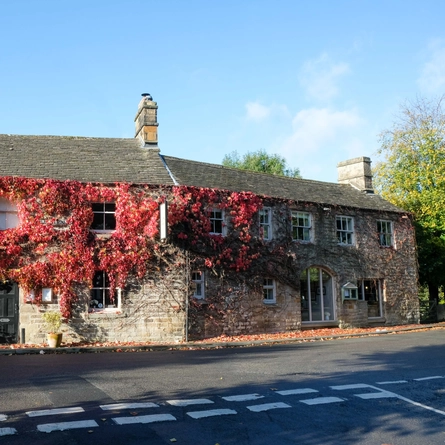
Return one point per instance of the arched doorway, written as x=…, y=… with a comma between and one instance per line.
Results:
x=317, y=295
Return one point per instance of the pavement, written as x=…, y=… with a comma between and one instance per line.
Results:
x=14, y=350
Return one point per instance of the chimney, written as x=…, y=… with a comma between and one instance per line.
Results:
x=356, y=172
x=146, y=122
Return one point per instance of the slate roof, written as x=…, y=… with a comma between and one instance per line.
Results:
x=200, y=174
x=106, y=160
x=111, y=160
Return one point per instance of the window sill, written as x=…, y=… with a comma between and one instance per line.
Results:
x=105, y=311
x=270, y=302
x=201, y=301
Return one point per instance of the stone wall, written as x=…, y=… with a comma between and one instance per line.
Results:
x=394, y=269
x=154, y=308
x=151, y=310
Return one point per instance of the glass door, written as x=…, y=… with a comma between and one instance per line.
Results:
x=317, y=295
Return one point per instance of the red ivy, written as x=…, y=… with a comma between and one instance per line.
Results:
x=54, y=247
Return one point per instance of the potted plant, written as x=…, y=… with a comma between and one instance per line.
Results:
x=53, y=321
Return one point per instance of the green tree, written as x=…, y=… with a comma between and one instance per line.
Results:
x=260, y=161
x=412, y=176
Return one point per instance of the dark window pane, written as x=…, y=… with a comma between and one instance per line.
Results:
x=110, y=221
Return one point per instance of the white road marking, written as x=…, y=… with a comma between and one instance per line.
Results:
x=3, y=417
x=7, y=431
x=210, y=413
x=52, y=412
x=242, y=397
x=386, y=394
x=376, y=395
x=143, y=419
x=267, y=407
x=119, y=406
x=322, y=400
x=290, y=392
x=62, y=426
x=392, y=382
x=187, y=402
x=355, y=386
x=429, y=378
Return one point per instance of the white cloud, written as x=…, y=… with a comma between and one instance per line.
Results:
x=432, y=79
x=320, y=76
x=314, y=127
x=257, y=111
x=322, y=137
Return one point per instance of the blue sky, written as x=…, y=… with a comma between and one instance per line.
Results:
x=314, y=81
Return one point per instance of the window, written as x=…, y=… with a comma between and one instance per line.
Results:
x=100, y=292
x=217, y=226
x=265, y=224
x=198, y=280
x=8, y=215
x=104, y=219
x=384, y=229
x=269, y=290
x=345, y=230
x=301, y=226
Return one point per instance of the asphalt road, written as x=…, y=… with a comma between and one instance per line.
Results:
x=374, y=390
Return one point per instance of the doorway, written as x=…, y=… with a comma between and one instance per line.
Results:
x=9, y=312
x=317, y=295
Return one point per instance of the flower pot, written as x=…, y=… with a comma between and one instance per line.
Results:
x=54, y=340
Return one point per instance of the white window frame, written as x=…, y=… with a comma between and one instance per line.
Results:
x=104, y=212
x=386, y=237
x=198, y=279
x=118, y=298
x=305, y=228
x=265, y=220
x=8, y=214
x=269, y=291
x=214, y=219
x=345, y=234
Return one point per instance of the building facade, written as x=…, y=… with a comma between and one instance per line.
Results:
x=147, y=247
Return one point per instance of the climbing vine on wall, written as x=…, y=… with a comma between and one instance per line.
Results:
x=53, y=245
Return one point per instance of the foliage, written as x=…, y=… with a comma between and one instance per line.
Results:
x=54, y=247
x=412, y=176
x=53, y=321
x=261, y=161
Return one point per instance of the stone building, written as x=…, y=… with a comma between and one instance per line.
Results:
x=308, y=254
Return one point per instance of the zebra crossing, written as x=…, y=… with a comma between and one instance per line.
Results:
x=131, y=413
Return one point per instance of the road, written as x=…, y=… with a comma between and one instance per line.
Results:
x=388, y=389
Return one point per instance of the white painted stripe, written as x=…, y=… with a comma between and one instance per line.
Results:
x=242, y=397
x=143, y=419
x=392, y=382
x=268, y=406
x=119, y=406
x=437, y=411
x=429, y=408
x=376, y=395
x=7, y=431
x=322, y=400
x=3, y=417
x=290, y=392
x=52, y=412
x=429, y=378
x=210, y=413
x=62, y=426
x=187, y=402
x=356, y=386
